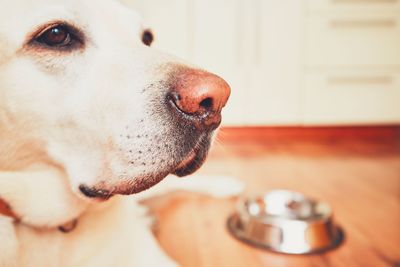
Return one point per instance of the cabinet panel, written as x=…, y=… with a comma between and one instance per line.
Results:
x=351, y=6
x=277, y=73
x=236, y=111
x=170, y=21
x=347, y=97
x=215, y=35
x=353, y=40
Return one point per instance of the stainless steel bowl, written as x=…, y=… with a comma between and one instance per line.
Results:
x=285, y=221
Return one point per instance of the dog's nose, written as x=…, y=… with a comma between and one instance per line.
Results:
x=199, y=97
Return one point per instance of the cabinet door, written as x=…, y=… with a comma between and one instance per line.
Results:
x=254, y=44
x=278, y=69
x=352, y=96
x=170, y=21
x=352, y=6
x=353, y=40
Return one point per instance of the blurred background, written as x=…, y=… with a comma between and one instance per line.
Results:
x=308, y=62
x=315, y=108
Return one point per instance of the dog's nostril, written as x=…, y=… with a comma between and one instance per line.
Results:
x=207, y=103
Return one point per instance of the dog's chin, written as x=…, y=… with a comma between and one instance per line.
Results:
x=191, y=163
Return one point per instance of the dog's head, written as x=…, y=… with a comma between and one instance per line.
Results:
x=81, y=91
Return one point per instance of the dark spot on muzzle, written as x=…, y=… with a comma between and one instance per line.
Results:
x=94, y=193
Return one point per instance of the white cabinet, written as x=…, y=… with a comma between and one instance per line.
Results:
x=275, y=72
x=353, y=39
x=351, y=6
x=290, y=62
x=352, y=62
x=352, y=96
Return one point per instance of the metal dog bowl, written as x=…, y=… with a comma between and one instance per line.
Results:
x=286, y=222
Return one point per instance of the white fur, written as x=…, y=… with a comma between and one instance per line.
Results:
x=84, y=117
x=114, y=233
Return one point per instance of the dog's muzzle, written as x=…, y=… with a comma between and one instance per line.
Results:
x=193, y=103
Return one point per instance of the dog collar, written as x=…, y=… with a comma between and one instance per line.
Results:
x=6, y=210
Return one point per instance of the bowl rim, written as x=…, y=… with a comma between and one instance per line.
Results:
x=242, y=209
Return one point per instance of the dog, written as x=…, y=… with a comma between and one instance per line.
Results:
x=90, y=113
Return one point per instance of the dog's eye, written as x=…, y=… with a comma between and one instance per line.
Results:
x=56, y=36
x=147, y=37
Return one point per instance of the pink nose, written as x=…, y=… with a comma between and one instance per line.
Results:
x=199, y=96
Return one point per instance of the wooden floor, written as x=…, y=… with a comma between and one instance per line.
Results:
x=357, y=171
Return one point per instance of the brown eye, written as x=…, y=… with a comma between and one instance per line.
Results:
x=147, y=37
x=56, y=36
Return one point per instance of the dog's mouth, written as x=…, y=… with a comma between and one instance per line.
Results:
x=185, y=164
x=188, y=165
x=95, y=193
x=192, y=162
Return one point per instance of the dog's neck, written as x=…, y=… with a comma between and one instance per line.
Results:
x=6, y=210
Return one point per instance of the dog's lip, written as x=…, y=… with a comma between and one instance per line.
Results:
x=191, y=163
x=188, y=165
x=137, y=185
x=187, y=161
x=94, y=193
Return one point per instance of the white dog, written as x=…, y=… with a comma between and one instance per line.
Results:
x=89, y=111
